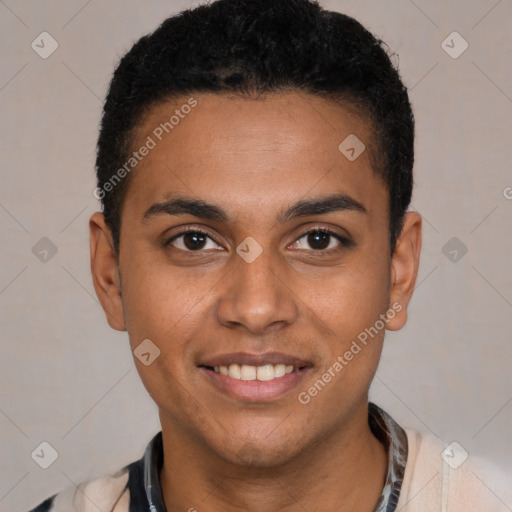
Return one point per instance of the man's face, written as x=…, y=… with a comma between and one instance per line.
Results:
x=254, y=288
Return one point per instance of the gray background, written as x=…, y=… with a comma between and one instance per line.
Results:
x=69, y=380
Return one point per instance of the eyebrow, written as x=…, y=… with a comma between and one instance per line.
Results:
x=202, y=209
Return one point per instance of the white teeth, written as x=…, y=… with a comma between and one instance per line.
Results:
x=248, y=372
x=279, y=370
x=234, y=371
x=265, y=372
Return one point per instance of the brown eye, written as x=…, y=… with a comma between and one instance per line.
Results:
x=192, y=240
x=318, y=240
x=322, y=240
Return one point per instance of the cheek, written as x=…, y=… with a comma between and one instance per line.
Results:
x=172, y=389
x=360, y=298
x=157, y=300
x=351, y=309
x=169, y=308
x=164, y=310
x=351, y=299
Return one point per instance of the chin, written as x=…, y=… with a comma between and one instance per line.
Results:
x=261, y=453
x=257, y=457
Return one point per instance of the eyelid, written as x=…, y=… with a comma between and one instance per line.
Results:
x=190, y=229
x=323, y=229
x=344, y=241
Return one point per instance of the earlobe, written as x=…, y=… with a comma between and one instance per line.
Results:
x=105, y=272
x=404, y=269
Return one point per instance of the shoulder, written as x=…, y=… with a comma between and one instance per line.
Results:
x=445, y=477
x=101, y=493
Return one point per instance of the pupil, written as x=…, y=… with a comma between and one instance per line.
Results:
x=197, y=240
x=318, y=238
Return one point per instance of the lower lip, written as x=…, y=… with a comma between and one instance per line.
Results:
x=255, y=390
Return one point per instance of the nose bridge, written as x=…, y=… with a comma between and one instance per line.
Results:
x=256, y=276
x=255, y=297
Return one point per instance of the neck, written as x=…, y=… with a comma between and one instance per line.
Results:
x=343, y=471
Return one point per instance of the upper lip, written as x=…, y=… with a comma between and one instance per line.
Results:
x=254, y=359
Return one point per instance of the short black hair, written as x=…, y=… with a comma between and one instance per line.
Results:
x=253, y=47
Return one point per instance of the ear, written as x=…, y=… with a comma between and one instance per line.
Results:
x=404, y=269
x=105, y=271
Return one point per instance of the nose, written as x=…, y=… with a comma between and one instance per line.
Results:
x=255, y=297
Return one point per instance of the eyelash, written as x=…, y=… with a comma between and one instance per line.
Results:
x=343, y=241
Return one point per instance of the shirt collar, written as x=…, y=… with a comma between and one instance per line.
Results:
x=394, y=438
x=146, y=485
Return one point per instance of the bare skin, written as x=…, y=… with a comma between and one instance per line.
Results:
x=197, y=300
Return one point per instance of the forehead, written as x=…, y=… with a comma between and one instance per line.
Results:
x=253, y=153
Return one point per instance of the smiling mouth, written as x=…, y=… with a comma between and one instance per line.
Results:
x=262, y=373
